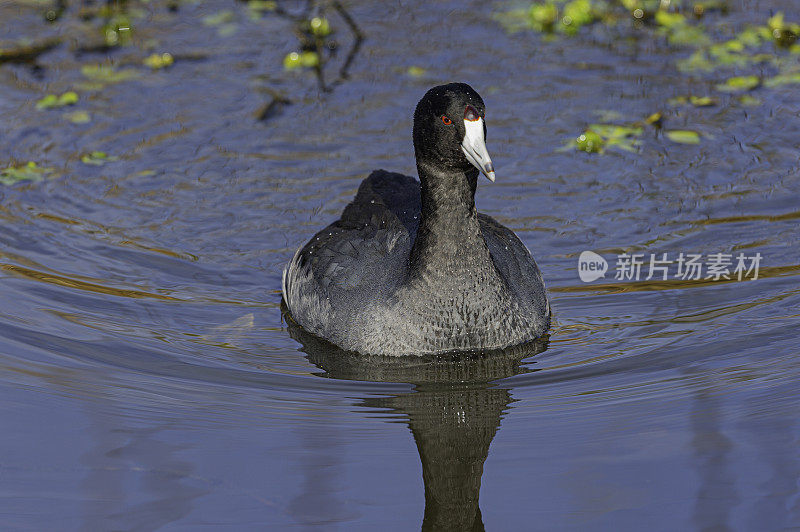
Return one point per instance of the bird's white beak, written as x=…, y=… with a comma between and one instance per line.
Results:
x=474, y=147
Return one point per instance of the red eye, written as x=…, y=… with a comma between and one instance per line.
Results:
x=446, y=120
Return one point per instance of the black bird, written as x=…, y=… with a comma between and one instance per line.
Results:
x=411, y=267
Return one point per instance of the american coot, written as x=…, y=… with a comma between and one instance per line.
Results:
x=411, y=268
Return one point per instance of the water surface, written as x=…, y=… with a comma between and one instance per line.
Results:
x=149, y=382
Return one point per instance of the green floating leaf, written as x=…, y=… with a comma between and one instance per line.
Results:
x=416, y=72
x=697, y=101
x=669, y=20
x=117, y=31
x=52, y=101
x=688, y=35
x=27, y=172
x=739, y=83
x=683, y=136
x=294, y=60
x=543, y=17
x=754, y=36
x=101, y=75
x=702, y=101
x=590, y=142
x=783, y=79
x=598, y=137
x=783, y=33
x=697, y=62
x=319, y=26
x=750, y=101
x=576, y=14
x=78, y=117
x=97, y=158
x=655, y=120
x=159, y=61
x=614, y=132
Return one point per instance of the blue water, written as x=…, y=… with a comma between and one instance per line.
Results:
x=148, y=381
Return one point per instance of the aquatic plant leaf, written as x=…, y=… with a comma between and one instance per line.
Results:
x=576, y=14
x=655, y=120
x=697, y=62
x=118, y=30
x=52, y=101
x=739, y=83
x=159, y=61
x=78, y=117
x=669, y=20
x=97, y=158
x=543, y=17
x=750, y=101
x=598, y=137
x=320, y=26
x=683, y=136
x=294, y=60
x=615, y=132
x=590, y=142
x=702, y=101
x=783, y=79
x=688, y=35
x=783, y=33
x=27, y=172
x=102, y=75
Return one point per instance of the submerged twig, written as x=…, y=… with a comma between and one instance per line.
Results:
x=272, y=107
x=28, y=53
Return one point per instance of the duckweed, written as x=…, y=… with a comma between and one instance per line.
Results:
x=78, y=117
x=295, y=60
x=783, y=79
x=52, y=101
x=599, y=137
x=683, y=136
x=590, y=142
x=97, y=158
x=785, y=34
x=739, y=84
x=101, y=75
x=696, y=101
x=26, y=172
x=159, y=61
x=319, y=26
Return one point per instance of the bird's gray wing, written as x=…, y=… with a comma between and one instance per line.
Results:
x=355, y=259
x=515, y=264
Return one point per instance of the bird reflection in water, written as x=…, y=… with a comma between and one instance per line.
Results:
x=453, y=413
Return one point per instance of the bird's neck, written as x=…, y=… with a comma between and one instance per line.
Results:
x=449, y=238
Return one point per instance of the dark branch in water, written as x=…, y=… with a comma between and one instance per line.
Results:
x=27, y=53
x=324, y=49
x=358, y=39
x=272, y=107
